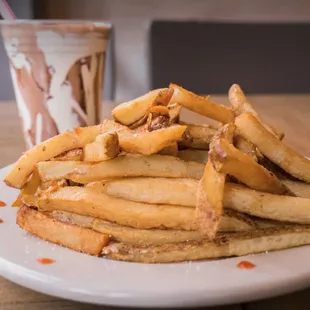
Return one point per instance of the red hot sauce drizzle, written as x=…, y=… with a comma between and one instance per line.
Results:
x=45, y=261
x=246, y=265
x=1, y=221
x=2, y=204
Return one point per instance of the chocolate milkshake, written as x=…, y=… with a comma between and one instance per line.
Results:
x=57, y=73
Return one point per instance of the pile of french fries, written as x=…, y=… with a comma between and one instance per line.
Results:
x=147, y=187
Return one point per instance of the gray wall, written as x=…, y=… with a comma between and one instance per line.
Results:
x=132, y=18
x=22, y=9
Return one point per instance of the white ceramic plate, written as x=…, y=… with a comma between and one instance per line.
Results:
x=97, y=280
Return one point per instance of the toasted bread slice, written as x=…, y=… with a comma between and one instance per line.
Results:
x=224, y=245
x=67, y=235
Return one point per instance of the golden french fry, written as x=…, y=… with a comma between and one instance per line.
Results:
x=105, y=146
x=139, y=124
x=201, y=105
x=171, y=150
x=300, y=189
x=174, y=112
x=229, y=160
x=127, y=234
x=240, y=105
x=151, y=190
x=274, y=149
x=28, y=192
x=73, y=218
x=171, y=113
x=199, y=156
x=148, y=143
x=225, y=245
x=70, y=236
x=129, y=112
x=263, y=223
x=50, y=186
x=144, y=236
x=210, y=191
x=48, y=149
x=209, y=206
x=157, y=121
x=198, y=136
x=121, y=166
x=75, y=154
x=17, y=202
x=85, y=201
x=265, y=205
x=245, y=146
x=144, y=142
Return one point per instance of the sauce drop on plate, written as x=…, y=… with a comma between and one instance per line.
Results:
x=2, y=204
x=245, y=265
x=1, y=221
x=45, y=261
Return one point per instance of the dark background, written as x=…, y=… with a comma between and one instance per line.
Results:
x=209, y=57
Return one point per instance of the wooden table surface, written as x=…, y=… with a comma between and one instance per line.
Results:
x=288, y=112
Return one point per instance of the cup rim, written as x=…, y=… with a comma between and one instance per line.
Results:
x=55, y=24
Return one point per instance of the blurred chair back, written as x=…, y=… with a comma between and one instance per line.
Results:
x=208, y=57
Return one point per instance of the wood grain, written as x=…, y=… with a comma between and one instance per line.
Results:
x=290, y=113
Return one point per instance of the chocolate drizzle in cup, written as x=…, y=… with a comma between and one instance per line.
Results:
x=57, y=73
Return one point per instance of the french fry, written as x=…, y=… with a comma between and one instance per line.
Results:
x=227, y=159
x=171, y=113
x=240, y=105
x=158, y=118
x=263, y=223
x=50, y=186
x=300, y=189
x=245, y=146
x=210, y=191
x=201, y=105
x=17, y=202
x=70, y=236
x=199, y=156
x=85, y=201
x=209, y=207
x=73, y=218
x=148, y=143
x=170, y=150
x=198, y=136
x=75, y=154
x=265, y=205
x=151, y=190
x=48, y=149
x=143, y=236
x=105, y=146
x=225, y=245
x=274, y=149
x=127, y=234
x=28, y=192
x=174, y=113
x=129, y=112
x=144, y=142
x=121, y=166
